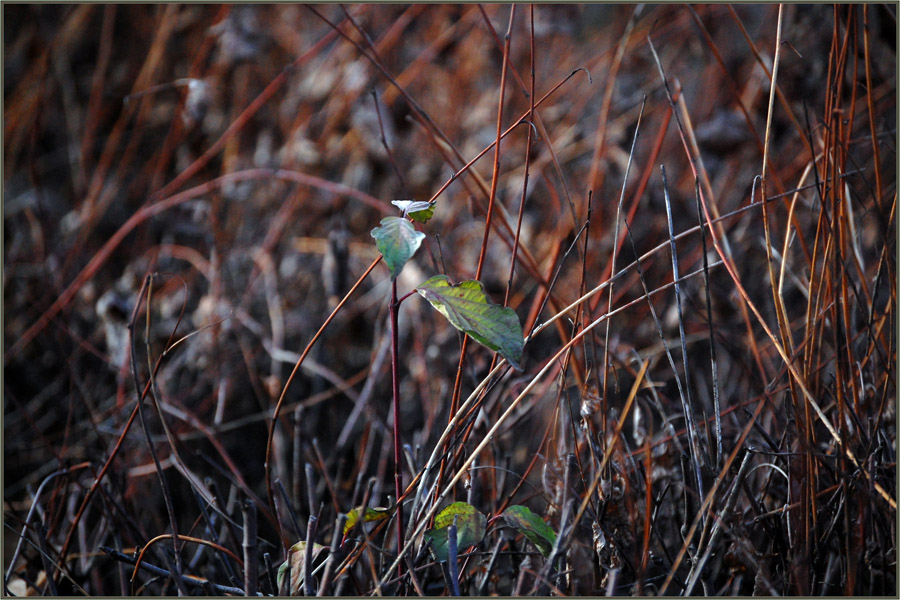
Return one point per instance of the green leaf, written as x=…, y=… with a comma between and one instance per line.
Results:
x=397, y=240
x=470, y=528
x=416, y=210
x=297, y=561
x=468, y=308
x=532, y=526
x=422, y=215
x=369, y=515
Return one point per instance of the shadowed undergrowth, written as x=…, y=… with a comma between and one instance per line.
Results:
x=202, y=340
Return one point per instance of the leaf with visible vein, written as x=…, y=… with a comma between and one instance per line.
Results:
x=397, y=240
x=470, y=529
x=468, y=308
x=531, y=526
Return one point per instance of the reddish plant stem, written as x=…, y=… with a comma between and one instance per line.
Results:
x=495, y=175
x=454, y=402
x=395, y=382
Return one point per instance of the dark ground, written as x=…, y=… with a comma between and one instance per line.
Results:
x=236, y=153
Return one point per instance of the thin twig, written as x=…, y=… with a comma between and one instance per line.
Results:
x=147, y=286
x=311, y=528
x=453, y=559
x=697, y=568
x=712, y=343
x=276, y=412
x=193, y=581
x=332, y=555
x=251, y=565
x=686, y=400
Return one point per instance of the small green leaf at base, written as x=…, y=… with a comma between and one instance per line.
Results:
x=397, y=240
x=468, y=308
x=531, y=526
x=470, y=529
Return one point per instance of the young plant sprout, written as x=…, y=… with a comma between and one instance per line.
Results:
x=465, y=305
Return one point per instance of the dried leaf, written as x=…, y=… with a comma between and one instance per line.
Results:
x=297, y=561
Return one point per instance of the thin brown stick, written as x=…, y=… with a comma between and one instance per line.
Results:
x=186, y=538
x=277, y=410
x=495, y=176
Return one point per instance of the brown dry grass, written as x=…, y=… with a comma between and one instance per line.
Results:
x=215, y=171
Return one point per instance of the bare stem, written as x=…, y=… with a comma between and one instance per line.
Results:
x=395, y=382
